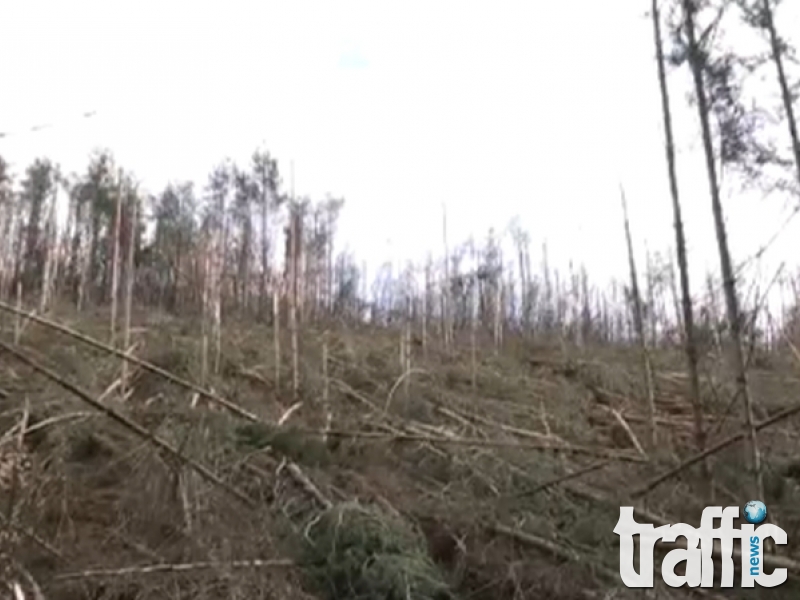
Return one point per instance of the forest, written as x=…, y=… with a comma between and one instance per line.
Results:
x=202, y=395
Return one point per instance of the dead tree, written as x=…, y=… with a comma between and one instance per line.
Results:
x=638, y=323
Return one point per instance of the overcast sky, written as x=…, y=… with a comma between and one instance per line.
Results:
x=495, y=108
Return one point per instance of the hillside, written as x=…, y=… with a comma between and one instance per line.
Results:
x=213, y=386
x=513, y=484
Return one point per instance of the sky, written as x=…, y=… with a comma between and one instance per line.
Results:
x=492, y=109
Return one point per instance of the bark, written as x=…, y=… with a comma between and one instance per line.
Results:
x=726, y=267
x=686, y=315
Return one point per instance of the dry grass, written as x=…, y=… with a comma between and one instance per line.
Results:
x=482, y=474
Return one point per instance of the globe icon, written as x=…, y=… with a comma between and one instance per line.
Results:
x=755, y=512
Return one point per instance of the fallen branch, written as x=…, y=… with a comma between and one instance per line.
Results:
x=234, y=408
x=561, y=479
x=656, y=481
x=632, y=436
x=397, y=383
x=203, y=471
x=506, y=428
x=308, y=485
x=278, y=563
x=461, y=441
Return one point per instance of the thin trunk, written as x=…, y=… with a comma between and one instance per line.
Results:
x=498, y=315
x=115, y=264
x=651, y=303
x=220, y=235
x=473, y=333
x=130, y=277
x=676, y=303
x=425, y=309
x=18, y=320
x=446, y=328
x=528, y=291
x=276, y=331
x=329, y=275
x=76, y=221
x=264, y=245
x=293, y=301
x=728, y=276
x=326, y=398
x=638, y=323
x=406, y=345
x=205, y=310
x=5, y=229
x=548, y=292
x=244, y=260
x=523, y=285
x=50, y=253
x=177, y=298
x=86, y=267
x=786, y=95
x=686, y=315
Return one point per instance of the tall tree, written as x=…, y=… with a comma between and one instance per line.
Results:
x=697, y=61
x=687, y=310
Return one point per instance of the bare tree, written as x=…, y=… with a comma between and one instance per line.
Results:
x=638, y=321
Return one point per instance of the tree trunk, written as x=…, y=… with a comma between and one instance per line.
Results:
x=686, y=316
x=728, y=276
x=786, y=96
x=638, y=324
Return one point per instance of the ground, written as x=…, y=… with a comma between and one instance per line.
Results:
x=508, y=488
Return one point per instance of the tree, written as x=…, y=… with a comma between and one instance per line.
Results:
x=7, y=224
x=266, y=178
x=760, y=14
x=696, y=60
x=38, y=185
x=216, y=229
x=687, y=310
x=174, y=239
x=97, y=193
x=246, y=192
x=638, y=321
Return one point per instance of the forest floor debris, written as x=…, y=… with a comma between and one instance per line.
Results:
x=472, y=476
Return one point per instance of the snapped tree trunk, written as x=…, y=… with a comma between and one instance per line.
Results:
x=638, y=324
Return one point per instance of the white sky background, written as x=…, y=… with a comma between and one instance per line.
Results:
x=495, y=108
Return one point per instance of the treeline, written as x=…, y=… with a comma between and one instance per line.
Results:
x=239, y=244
